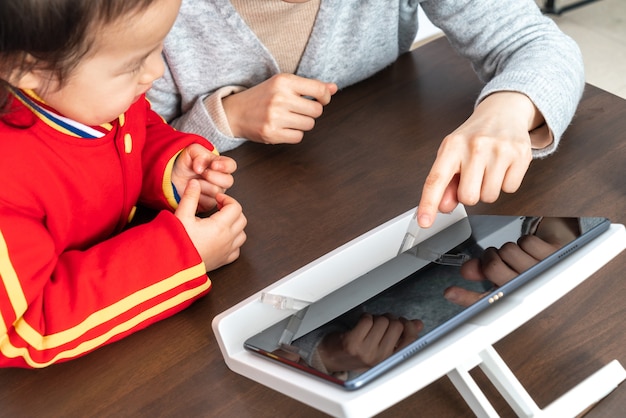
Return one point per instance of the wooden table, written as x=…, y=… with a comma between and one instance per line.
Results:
x=364, y=163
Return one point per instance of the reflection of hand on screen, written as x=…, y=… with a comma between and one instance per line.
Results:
x=502, y=265
x=499, y=266
x=373, y=339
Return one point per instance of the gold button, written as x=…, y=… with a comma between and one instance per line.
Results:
x=122, y=119
x=132, y=213
x=128, y=143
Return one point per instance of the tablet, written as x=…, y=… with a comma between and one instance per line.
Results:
x=390, y=314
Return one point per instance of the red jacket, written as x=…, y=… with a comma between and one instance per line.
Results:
x=73, y=276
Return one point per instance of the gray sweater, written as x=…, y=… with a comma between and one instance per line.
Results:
x=510, y=44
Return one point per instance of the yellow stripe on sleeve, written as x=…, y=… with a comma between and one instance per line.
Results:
x=3, y=328
x=41, y=342
x=11, y=283
x=11, y=351
x=167, y=186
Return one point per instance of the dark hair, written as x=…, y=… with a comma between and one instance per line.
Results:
x=52, y=35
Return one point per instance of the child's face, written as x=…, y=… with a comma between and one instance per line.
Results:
x=122, y=64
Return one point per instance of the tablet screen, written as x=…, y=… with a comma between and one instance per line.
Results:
x=391, y=313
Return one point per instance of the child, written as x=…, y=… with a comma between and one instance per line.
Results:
x=79, y=148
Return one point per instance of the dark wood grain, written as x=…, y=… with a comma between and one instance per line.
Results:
x=364, y=163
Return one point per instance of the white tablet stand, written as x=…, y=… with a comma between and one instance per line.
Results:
x=455, y=355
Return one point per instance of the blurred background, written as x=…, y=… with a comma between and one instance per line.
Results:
x=599, y=28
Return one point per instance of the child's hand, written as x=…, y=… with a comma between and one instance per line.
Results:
x=279, y=109
x=214, y=173
x=218, y=237
x=490, y=152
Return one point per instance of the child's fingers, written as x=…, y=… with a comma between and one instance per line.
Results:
x=223, y=164
x=230, y=212
x=217, y=179
x=205, y=160
x=210, y=189
x=224, y=201
x=219, y=200
x=188, y=204
x=201, y=160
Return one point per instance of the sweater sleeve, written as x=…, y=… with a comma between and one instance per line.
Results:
x=58, y=306
x=513, y=47
x=203, y=116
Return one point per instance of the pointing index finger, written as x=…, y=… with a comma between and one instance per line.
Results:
x=432, y=194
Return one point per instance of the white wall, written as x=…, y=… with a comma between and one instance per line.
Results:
x=426, y=28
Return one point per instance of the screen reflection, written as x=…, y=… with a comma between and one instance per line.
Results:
x=494, y=251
